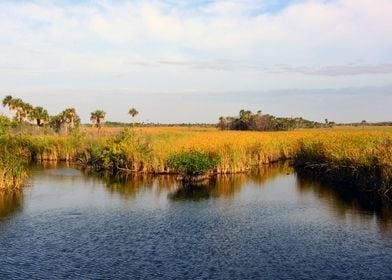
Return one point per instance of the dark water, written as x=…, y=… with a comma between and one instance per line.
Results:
x=271, y=225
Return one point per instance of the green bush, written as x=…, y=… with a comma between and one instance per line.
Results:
x=127, y=151
x=5, y=124
x=193, y=162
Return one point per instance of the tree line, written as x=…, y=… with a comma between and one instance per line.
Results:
x=265, y=122
x=67, y=120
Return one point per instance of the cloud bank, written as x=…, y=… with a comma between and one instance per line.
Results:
x=194, y=46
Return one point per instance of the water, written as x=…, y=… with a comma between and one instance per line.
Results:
x=270, y=225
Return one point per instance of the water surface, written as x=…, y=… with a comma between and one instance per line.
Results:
x=269, y=225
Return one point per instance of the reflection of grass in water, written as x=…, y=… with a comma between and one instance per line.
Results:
x=361, y=153
x=361, y=160
x=130, y=184
x=349, y=202
x=191, y=192
x=228, y=185
x=10, y=202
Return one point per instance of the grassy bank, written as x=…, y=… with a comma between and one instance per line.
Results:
x=355, y=155
x=353, y=159
x=12, y=164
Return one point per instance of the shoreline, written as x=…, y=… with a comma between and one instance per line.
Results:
x=358, y=158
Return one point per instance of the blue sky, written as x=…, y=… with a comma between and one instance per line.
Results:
x=193, y=61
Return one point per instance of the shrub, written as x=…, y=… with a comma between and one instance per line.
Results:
x=193, y=162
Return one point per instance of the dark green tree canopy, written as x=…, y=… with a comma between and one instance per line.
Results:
x=250, y=121
x=40, y=115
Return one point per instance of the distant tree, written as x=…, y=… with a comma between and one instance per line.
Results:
x=25, y=111
x=16, y=104
x=264, y=122
x=40, y=115
x=244, y=120
x=56, y=122
x=7, y=101
x=21, y=108
x=67, y=119
x=70, y=114
x=97, y=118
x=133, y=112
x=328, y=123
x=222, y=123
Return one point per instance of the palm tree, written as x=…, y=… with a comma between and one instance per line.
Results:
x=68, y=118
x=245, y=118
x=133, y=112
x=222, y=123
x=7, y=101
x=40, y=115
x=17, y=104
x=55, y=122
x=22, y=109
x=97, y=118
x=70, y=114
x=26, y=110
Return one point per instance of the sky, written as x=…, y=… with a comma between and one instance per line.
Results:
x=193, y=61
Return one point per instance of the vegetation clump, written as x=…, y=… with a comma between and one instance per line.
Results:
x=193, y=165
x=12, y=164
x=193, y=162
x=66, y=121
x=264, y=122
x=358, y=163
x=127, y=152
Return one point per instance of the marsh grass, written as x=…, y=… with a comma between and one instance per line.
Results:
x=12, y=164
x=358, y=160
x=360, y=156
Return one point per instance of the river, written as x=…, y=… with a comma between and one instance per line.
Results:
x=267, y=225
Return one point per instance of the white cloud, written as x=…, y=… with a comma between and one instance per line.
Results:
x=221, y=45
x=310, y=32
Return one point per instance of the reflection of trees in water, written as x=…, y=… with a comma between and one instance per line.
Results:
x=45, y=165
x=10, y=203
x=228, y=185
x=346, y=202
x=129, y=185
x=193, y=192
x=270, y=171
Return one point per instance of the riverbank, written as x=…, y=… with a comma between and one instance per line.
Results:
x=359, y=156
x=362, y=162
x=12, y=164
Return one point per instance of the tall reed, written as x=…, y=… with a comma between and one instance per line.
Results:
x=361, y=156
x=12, y=164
